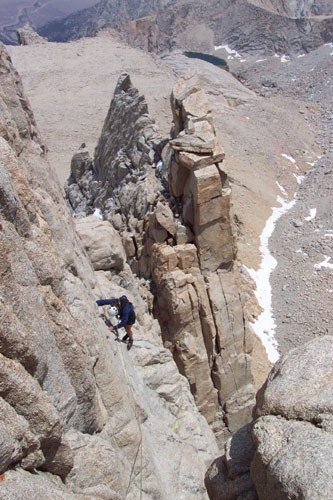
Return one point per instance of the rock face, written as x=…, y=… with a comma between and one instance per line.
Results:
x=228, y=477
x=27, y=36
x=293, y=435
x=198, y=303
x=87, y=417
x=286, y=452
x=102, y=242
x=171, y=202
x=250, y=26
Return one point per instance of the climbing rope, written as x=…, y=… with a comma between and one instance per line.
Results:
x=137, y=416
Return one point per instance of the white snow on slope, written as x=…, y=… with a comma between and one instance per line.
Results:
x=283, y=191
x=313, y=213
x=98, y=214
x=299, y=178
x=325, y=263
x=232, y=53
x=290, y=158
x=265, y=325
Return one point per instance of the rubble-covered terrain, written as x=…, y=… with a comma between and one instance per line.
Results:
x=302, y=242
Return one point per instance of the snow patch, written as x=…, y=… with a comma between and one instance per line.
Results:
x=313, y=213
x=299, y=178
x=285, y=59
x=290, y=158
x=283, y=191
x=325, y=263
x=261, y=60
x=232, y=53
x=98, y=214
x=265, y=325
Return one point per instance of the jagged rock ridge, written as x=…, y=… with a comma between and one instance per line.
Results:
x=76, y=409
x=175, y=219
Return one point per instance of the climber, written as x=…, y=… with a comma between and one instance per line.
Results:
x=124, y=309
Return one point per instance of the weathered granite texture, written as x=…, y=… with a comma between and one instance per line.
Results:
x=80, y=417
x=228, y=477
x=294, y=432
x=286, y=452
x=170, y=200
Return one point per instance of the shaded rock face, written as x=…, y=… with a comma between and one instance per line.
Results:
x=228, y=477
x=249, y=26
x=286, y=452
x=75, y=406
x=171, y=202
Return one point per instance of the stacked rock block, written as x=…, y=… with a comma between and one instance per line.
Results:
x=199, y=301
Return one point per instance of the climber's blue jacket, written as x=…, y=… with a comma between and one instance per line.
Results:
x=125, y=308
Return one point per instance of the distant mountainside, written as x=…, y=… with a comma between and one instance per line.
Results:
x=18, y=13
x=296, y=8
x=257, y=26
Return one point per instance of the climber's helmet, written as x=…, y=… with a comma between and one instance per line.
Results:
x=113, y=311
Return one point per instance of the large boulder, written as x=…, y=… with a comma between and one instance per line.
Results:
x=300, y=386
x=293, y=459
x=102, y=243
x=228, y=477
x=294, y=433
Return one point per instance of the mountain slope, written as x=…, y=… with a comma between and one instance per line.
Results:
x=14, y=15
x=159, y=26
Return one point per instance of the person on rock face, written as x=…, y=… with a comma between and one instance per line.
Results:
x=123, y=308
